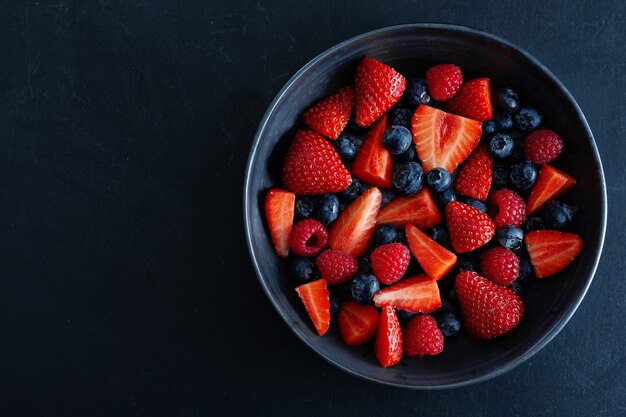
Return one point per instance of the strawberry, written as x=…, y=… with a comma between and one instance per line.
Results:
x=444, y=81
x=357, y=324
x=378, y=88
x=500, y=265
x=313, y=166
x=488, y=310
x=352, y=231
x=279, y=209
x=473, y=100
x=542, y=146
x=373, y=163
x=418, y=294
x=388, y=345
x=336, y=267
x=308, y=238
x=316, y=300
x=551, y=183
x=422, y=337
x=436, y=260
x=469, y=228
x=390, y=262
x=474, y=178
x=551, y=251
x=442, y=139
x=507, y=208
x=419, y=210
x=330, y=116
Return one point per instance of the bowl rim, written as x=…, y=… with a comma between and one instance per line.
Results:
x=572, y=307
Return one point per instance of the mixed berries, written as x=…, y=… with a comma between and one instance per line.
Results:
x=416, y=211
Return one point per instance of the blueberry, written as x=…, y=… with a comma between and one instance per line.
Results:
x=528, y=119
x=557, y=215
x=417, y=92
x=352, y=191
x=517, y=288
x=510, y=237
x=438, y=179
x=365, y=265
x=388, y=195
x=534, y=223
x=327, y=209
x=345, y=147
x=449, y=324
x=304, y=207
x=467, y=262
x=404, y=315
x=353, y=126
x=445, y=197
x=505, y=99
x=334, y=304
x=489, y=127
x=440, y=235
x=363, y=287
x=356, y=139
x=526, y=270
x=401, y=116
x=397, y=139
x=504, y=122
x=304, y=270
x=500, y=177
x=500, y=146
x=407, y=178
x=385, y=234
x=523, y=175
x=410, y=155
x=478, y=205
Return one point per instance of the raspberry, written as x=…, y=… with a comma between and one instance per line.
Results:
x=444, y=81
x=543, y=146
x=507, y=208
x=390, y=262
x=308, y=237
x=500, y=265
x=422, y=337
x=336, y=267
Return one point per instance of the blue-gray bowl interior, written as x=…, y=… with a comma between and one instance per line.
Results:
x=412, y=49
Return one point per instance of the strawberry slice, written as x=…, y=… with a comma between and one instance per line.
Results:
x=357, y=324
x=388, y=346
x=279, y=207
x=551, y=183
x=436, y=260
x=378, y=88
x=352, y=231
x=551, y=251
x=419, y=210
x=373, y=163
x=416, y=294
x=442, y=139
x=473, y=100
x=330, y=116
x=316, y=300
x=474, y=178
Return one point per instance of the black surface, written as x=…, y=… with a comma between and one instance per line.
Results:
x=125, y=285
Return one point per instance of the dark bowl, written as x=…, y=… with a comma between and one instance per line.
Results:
x=412, y=49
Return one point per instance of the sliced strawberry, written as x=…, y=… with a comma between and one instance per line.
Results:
x=436, y=260
x=419, y=210
x=357, y=324
x=473, y=100
x=378, y=88
x=352, y=231
x=279, y=206
x=474, y=178
x=442, y=139
x=551, y=183
x=388, y=346
x=551, y=251
x=316, y=300
x=373, y=163
x=330, y=116
x=418, y=294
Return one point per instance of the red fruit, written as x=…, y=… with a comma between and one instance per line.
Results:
x=542, y=146
x=442, y=139
x=313, y=166
x=551, y=251
x=488, y=310
x=336, y=267
x=473, y=100
x=357, y=324
x=500, y=265
x=330, y=116
x=507, y=208
x=551, y=183
x=316, y=300
x=308, y=238
x=444, y=81
x=388, y=346
x=378, y=88
x=352, y=231
x=422, y=337
x=419, y=210
x=469, y=228
x=418, y=294
x=390, y=262
x=436, y=260
x=474, y=178
x=373, y=163
x=279, y=206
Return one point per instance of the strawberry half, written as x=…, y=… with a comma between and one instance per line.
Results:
x=279, y=209
x=474, y=178
x=551, y=251
x=419, y=210
x=357, y=324
x=418, y=294
x=388, y=346
x=330, y=116
x=352, y=231
x=313, y=166
x=316, y=300
x=442, y=139
x=373, y=163
x=551, y=183
x=436, y=260
x=473, y=100
x=378, y=88
x=469, y=227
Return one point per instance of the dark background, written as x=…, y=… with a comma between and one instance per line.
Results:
x=125, y=283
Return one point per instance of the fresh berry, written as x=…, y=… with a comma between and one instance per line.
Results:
x=400, y=115
x=330, y=116
x=378, y=88
x=478, y=205
x=436, y=260
x=407, y=178
x=500, y=146
x=518, y=148
x=308, y=238
x=422, y=337
x=397, y=139
x=336, y=267
x=504, y=122
x=357, y=324
x=389, y=262
x=510, y=237
x=388, y=345
x=443, y=140
x=440, y=235
x=449, y=324
x=469, y=228
x=507, y=208
x=523, y=175
x=313, y=166
x=500, y=265
x=444, y=81
x=279, y=211
x=488, y=310
x=558, y=215
x=445, y=197
x=489, y=128
x=304, y=270
x=327, y=209
x=409, y=156
x=363, y=287
x=543, y=146
x=304, y=208
x=474, y=177
x=352, y=192
x=534, y=223
x=438, y=179
x=526, y=270
x=551, y=183
x=528, y=119
x=473, y=100
x=551, y=251
x=316, y=300
x=500, y=177
x=418, y=294
x=419, y=210
x=373, y=163
x=385, y=234
x=365, y=265
x=345, y=148
x=417, y=92
x=505, y=100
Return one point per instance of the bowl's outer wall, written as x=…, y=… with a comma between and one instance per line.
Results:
x=412, y=49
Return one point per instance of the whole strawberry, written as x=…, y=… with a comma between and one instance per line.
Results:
x=336, y=267
x=500, y=265
x=378, y=88
x=474, y=178
x=469, y=227
x=543, y=146
x=422, y=337
x=444, y=81
x=507, y=208
x=390, y=262
x=330, y=116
